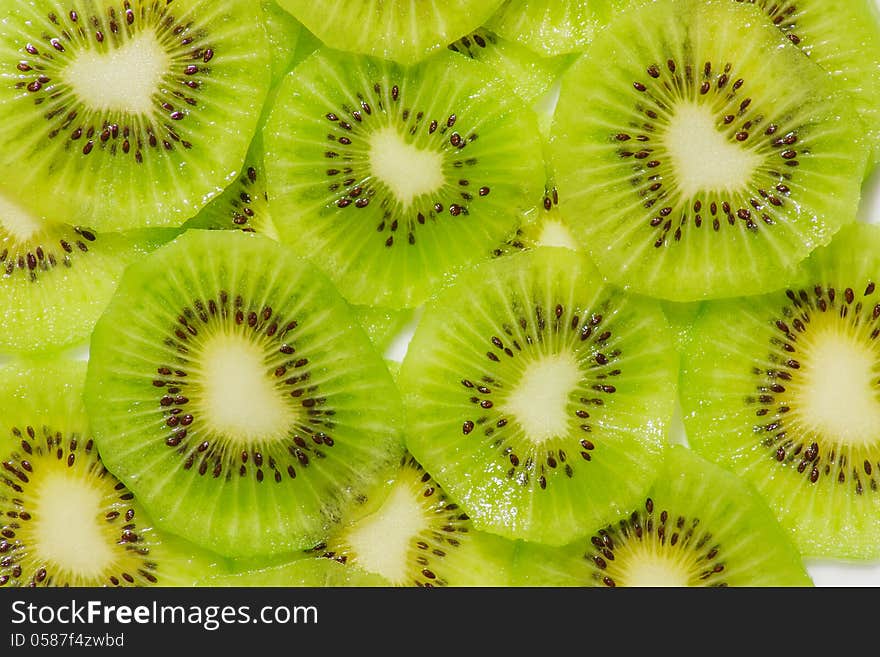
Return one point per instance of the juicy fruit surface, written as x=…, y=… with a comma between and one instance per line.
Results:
x=531, y=397
x=702, y=171
x=231, y=388
x=550, y=27
x=398, y=30
x=128, y=112
x=67, y=521
x=424, y=170
x=783, y=390
x=699, y=525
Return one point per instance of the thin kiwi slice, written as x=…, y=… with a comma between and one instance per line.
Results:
x=393, y=177
x=398, y=30
x=411, y=533
x=843, y=37
x=56, y=278
x=67, y=521
x=283, y=32
x=128, y=112
x=230, y=389
x=697, y=525
x=302, y=572
x=551, y=27
x=537, y=395
x=705, y=155
x=784, y=390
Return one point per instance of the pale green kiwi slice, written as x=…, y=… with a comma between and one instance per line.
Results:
x=697, y=525
x=398, y=30
x=128, y=113
x=539, y=396
x=551, y=27
x=392, y=178
x=706, y=155
x=784, y=389
x=231, y=389
x=68, y=521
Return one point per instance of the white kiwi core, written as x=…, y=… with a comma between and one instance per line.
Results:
x=122, y=79
x=649, y=565
x=703, y=158
x=237, y=392
x=838, y=390
x=68, y=530
x=539, y=400
x=408, y=171
x=381, y=540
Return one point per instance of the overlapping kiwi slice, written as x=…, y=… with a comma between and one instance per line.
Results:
x=551, y=27
x=398, y=30
x=56, y=278
x=391, y=178
x=231, y=389
x=544, y=225
x=538, y=396
x=784, y=389
x=67, y=521
x=128, y=112
x=697, y=525
x=707, y=155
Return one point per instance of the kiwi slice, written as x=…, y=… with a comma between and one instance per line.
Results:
x=383, y=325
x=843, y=37
x=56, y=278
x=551, y=27
x=537, y=395
x=698, y=525
x=128, y=112
x=67, y=521
x=784, y=390
x=302, y=572
x=283, y=32
x=394, y=177
x=542, y=226
x=398, y=30
x=704, y=154
x=529, y=75
x=230, y=389
x=411, y=533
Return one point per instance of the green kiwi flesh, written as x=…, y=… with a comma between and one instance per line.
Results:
x=783, y=390
x=551, y=27
x=67, y=521
x=395, y=177
x=302, y=572
x=537, y=395
x=699, y=169
x=230, y=389
x=398, y=30
x=128, y=113
x=697, y=525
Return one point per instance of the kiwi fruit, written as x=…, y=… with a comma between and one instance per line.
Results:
x=697, y=167
x=231, y=389
x=56, y=278
x=843, y=37
x=284, y=33
x=398, y=30
x=85, y=140
x=551, y=27
x=544, y=225
x=537, y=395
x=382, y=325
x=784, y=390
x=697, y=525
x=67, y=521
x=392, y=178
x=302, y=572
x=411, y=533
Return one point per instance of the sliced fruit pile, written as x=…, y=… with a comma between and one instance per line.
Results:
x=412, y=294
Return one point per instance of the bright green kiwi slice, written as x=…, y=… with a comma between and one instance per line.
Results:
x=537, y=395
x=128, y=113
x=283, y=32
x=304, y=571
x=784, y=389
x=393, y=177
x=843, y=37
x=398, y=30
x=705, y=155
x=551, y=27
x=232, y=391
x=56, y=278
x=67, y=521
x=409, y=532
x=697, y=525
